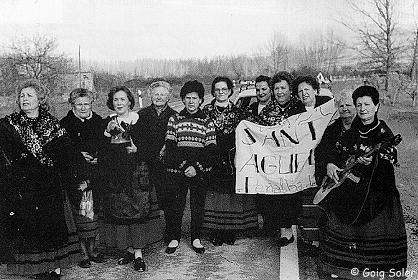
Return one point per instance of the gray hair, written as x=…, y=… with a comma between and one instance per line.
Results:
x=161, y=83
x=80, y=92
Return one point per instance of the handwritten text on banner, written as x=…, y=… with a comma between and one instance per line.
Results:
x=279, y=159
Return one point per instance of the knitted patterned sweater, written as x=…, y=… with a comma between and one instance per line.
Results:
x=190, y=141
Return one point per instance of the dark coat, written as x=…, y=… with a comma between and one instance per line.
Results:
x=331, y=139
x=88, y=136
x=226, y=120
x=150, y=132
x=32, y=192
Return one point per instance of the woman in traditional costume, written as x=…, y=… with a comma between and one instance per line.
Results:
x=39, y=165
x=132, y=218
x=226, y=213
x=375, y=238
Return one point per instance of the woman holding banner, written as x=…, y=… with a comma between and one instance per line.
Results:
x=226, y=213
x=306, y=88
x=374, y=239
x=279, y=212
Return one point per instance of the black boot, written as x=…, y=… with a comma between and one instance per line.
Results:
x=229, y=237
x=217, y=239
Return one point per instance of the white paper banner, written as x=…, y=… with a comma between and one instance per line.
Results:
x=279, y=159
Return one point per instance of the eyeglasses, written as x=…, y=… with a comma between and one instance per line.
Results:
x=219, y=90
x=79, y=105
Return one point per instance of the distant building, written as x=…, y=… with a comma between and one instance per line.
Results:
x=76, y=80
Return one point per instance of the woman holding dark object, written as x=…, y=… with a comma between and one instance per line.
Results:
x=374, y=238
x=190, y=154
x=85, y=129
x=40, y=165
x=128, y=223
x=226, y=213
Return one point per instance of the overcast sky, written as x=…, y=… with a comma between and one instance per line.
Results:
x=130, y=29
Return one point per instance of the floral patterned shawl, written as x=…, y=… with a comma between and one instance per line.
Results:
x=35, y=133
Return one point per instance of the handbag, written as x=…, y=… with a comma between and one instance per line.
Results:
x=86, y=205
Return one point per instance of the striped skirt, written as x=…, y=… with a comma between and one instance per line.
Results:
x=40, y=262
x=309, y=217
x=86, y=227
x=229, y=212
x=380, y=245
x=137, y=235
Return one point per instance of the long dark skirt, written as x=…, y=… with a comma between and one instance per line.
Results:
x=86, y=227
x=380, y=245
x=39, y=262
x=225, y=211
x=309, y=216
x=279, y=211
x=126, y=176
x=138, y=235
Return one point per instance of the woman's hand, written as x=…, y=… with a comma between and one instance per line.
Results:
x=89, y=158
x=132, y=148
x=365, y=160
x=82, y=186
x=332, y=172
x=161, y=154
x=112, y=125
x=190, y=172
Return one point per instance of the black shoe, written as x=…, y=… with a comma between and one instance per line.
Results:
x=54, y=276
x=217, y=241
x=128, y=258
x=99, y=258
x=200, y=250
x=170, y=250
x=84, y=263
x=139, y=265
x=283, y=241
x=311, y=250
x=229, y=238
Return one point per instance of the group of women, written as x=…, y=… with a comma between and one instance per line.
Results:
x=136, y=163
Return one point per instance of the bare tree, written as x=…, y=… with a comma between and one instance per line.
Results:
x=8, y=76
x=35, y=57
x=380, y=45
x=278, y=50
x=237, y=65
x=413, y=73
